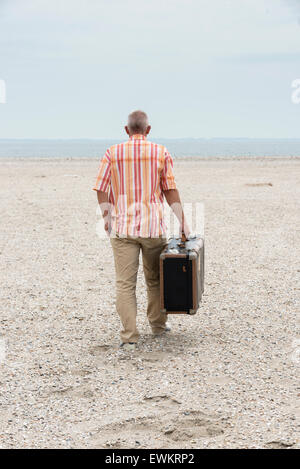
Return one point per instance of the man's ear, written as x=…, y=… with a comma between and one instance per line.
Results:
x=127, y=130
x=148, y=129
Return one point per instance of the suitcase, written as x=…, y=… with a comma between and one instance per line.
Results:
x=182, y=275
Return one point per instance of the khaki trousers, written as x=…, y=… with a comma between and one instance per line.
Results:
x=126, y=255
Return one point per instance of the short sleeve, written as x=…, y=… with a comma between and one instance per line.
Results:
x=104, y=174
x=167, y=180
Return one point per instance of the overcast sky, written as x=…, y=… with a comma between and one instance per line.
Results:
x=200, y=68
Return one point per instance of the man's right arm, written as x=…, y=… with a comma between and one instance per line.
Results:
x=171, y=193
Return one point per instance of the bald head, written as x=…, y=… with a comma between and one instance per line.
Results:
x=138, y=123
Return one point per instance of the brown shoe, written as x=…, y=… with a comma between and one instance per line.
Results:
x=128, y=346
x=163, y=331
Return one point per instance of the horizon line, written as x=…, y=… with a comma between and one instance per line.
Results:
x=159, y=138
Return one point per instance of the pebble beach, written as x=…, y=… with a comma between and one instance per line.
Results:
x=227, y=377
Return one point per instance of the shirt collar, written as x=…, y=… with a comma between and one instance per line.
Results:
x=137, y=137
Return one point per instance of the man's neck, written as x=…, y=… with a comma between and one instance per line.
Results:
x=137, y=135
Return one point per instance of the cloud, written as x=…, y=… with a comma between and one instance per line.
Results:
x=295, y=7
x=161, y=30
x=174, y=55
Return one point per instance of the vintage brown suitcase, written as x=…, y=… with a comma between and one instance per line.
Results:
x=182, y=275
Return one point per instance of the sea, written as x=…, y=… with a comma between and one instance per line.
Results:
x=179, y=148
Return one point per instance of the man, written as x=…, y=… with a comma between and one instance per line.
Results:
x=133, y=179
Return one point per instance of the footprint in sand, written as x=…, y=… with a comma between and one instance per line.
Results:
x=279, y=445
x=196, y=425
x=80, y=392
x=153, y=357
x=99, y=349
x=163, y=399
x=148, y=431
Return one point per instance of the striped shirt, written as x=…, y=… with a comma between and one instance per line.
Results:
x=135, y=174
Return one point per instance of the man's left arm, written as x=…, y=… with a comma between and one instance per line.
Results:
x=102, y=187
x=105, y=209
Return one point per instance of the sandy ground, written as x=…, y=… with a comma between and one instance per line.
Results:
x=224, y=378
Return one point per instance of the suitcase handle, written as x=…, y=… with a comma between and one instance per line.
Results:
x=183, y=240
